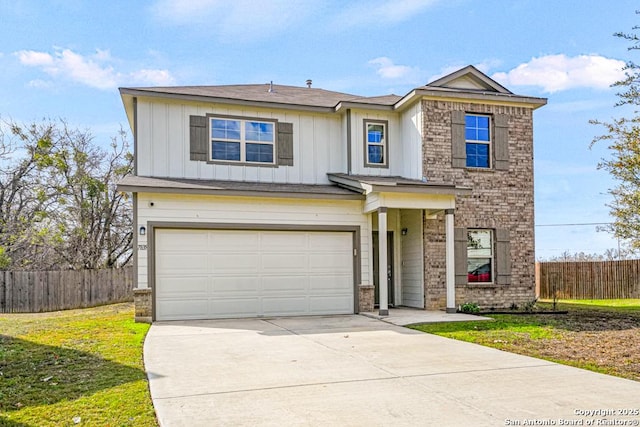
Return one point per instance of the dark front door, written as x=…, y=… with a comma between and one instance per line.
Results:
x=376, y=266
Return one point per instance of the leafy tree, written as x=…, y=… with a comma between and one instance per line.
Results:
x=623, y=138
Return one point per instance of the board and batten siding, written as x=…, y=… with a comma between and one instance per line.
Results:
x=411, y=122
x=394, y=144
x=163, y=144
x=244, y=210
x=412, y=268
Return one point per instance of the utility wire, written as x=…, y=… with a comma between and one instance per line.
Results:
x=574, y=225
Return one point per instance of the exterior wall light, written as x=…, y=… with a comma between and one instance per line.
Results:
x=405, y=231
x=143, y=231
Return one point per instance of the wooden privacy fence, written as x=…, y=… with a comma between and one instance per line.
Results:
x=35, y=291
x=589, y=280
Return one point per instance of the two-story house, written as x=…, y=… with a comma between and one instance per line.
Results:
x=271, y=200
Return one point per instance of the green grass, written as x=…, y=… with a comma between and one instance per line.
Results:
x=504, y=329
x=83, y=364
x=622, y=304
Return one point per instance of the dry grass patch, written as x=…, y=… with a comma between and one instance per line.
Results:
x=596, y=337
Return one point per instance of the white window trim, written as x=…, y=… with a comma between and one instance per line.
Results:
x=492, y=256
x=385, y=144
x=473, y=141
x=242, y=141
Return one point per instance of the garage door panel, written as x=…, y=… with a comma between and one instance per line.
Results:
x=195, y=240
x=176, y=309
x=333, y=283
x=327, y=241
x=331, y=261
x=248, y=273
x=292, y=283
x=238, y=263
x=224, y=286
x=181, y=263
x=337, y=304
x=233, y=307
x=280, y=306
x=232, y=241
x=287, y=241
x=178, y=286
x=287, y=261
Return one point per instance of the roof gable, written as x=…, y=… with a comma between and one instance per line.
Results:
x=469, y=78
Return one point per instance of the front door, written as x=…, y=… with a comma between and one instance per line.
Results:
x=376, y=266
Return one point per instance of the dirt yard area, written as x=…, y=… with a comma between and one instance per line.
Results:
x=602, y=339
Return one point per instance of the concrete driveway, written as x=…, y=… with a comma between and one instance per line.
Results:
x=359, y=371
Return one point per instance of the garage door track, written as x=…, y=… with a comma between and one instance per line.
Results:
x=358, y=371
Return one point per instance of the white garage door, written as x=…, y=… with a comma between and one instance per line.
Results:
x=209, y=274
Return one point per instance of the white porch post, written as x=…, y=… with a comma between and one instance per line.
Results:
x=382, y=262
x=450, y=261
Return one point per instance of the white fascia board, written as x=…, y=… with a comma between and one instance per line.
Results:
x=430, y=202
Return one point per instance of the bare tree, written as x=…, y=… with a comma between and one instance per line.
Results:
x=59, y=207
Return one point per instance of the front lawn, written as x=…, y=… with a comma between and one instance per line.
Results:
x=76, y=367
x=592, y=336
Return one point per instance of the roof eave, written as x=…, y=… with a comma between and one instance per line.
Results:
x=419, y=189
x=343, y=105
x=125, y=188
x=230, y=101
x=457, y=95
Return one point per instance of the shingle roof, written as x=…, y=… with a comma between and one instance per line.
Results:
x=280, y=94
x=143, y=184
x=293, y=97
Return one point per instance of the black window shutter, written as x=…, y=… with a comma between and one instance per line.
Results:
x=460, y=253
x=458, y=145
x=501, y=141
x=285, y=144
x=503, y=257
x=198, y=139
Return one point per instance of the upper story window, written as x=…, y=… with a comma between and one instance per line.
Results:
x=237, y=140
x=480, y=256
x=478, y=141
x=376, y=147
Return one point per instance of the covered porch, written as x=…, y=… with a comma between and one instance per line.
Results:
x=396, y=208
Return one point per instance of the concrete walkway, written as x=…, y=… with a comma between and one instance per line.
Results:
x=359, y=371
x=403, y=316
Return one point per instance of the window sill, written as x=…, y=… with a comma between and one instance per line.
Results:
x=481, y=285
x=376, y=165
x=484, y=170
x=232, y=163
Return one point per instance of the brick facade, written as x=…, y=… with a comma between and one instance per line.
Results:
x=365, y=298
x=142, y=299
x=499, y=200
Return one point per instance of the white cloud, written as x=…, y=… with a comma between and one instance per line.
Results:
x=386, y=69
x=238, y=20
x=376, y=11
x=155, y=77
x=90, y=70
x=243, y=20
x=555, y=73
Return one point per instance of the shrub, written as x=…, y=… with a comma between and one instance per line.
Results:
x=470, y=307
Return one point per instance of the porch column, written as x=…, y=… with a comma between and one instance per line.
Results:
x=382, y=262
x=450, y=261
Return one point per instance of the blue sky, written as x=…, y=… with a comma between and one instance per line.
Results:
x=66, y=59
